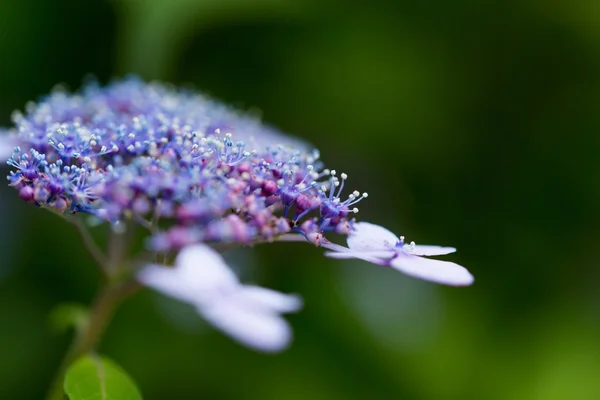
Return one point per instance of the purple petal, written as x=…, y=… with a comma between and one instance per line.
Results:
x=443, y=272
x=425, y=250
x=369, y=237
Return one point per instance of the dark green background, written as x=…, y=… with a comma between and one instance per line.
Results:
x=470, y=123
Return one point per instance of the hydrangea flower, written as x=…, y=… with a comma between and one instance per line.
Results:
x=376, y=244
x=198, y=177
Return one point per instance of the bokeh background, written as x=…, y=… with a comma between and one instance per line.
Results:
x=470, y=123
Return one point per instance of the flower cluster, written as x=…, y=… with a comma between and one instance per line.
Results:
x=142, y=151
x=196, y=174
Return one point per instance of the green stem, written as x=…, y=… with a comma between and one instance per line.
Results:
x=89, y=242
x=109, y=297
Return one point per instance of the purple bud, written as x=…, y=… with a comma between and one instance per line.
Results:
x=282, y=225
x=288, y=197
x=329, y=210
x=55, y=187
x=315, y=238
x=276, y=173
x=343, y=227
x=269, y=201
x=141, y=206
x=41, y=194
x=303, y=203
x=27, y=194
x=30, y=174
x=269, y=188
x=190, y=212
x=244, y=167
x=60, y=204
x=256, y=183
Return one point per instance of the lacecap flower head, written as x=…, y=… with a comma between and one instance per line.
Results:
x=198, y=177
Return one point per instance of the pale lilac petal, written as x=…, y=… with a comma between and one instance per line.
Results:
x=375, y=257
x=168, y=281
x=335, y=247
x=254, y=327
x=249, y=314
x=368, y=237
x=7, y=145
x=206, y=267
x=268, y=299
x=444, y=272
x=425, y=250
x=199, y=273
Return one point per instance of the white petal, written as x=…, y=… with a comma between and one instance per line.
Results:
x=169, y=282
x=368, y=237
x=425, y=250
x=205, y=267
x=253, y=327
x=444, y=272
x=198, y=276
x=249, y=314
x=335, y=247
x=375, y=257
x=7, y=145
x=268, y=299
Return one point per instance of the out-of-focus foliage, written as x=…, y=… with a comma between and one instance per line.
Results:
x=97, y=377
x=470, y=123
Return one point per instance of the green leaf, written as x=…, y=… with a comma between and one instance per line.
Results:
x=95, y=377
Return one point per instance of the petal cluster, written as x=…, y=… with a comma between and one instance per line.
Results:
x=249, y=314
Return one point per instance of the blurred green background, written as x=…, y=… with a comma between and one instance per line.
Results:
x=470, y=123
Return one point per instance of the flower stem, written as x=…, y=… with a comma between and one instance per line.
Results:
x=89, y=242
x=109, y=297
